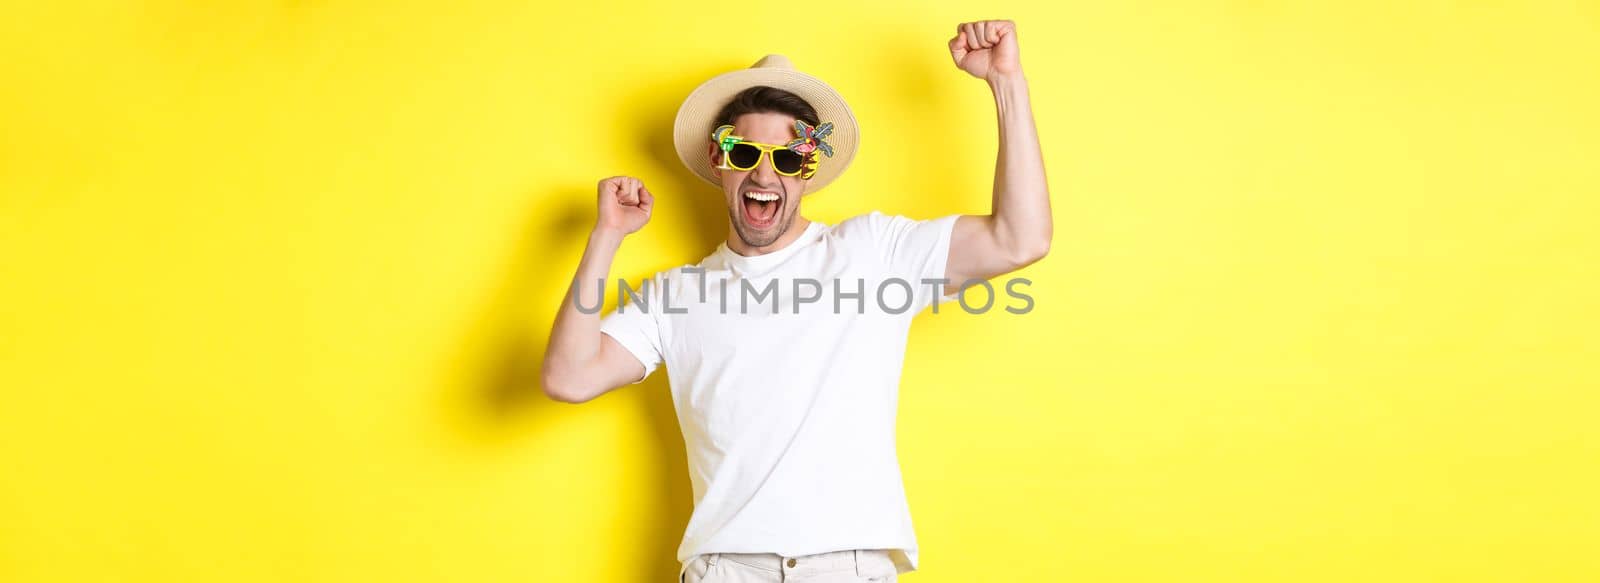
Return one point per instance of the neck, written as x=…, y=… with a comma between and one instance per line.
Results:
x=738, y=245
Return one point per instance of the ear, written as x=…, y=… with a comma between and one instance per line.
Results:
x=716, y=160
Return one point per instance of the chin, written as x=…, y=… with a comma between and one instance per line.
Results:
x=763, y=237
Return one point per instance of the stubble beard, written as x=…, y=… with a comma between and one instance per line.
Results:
x=753, y=239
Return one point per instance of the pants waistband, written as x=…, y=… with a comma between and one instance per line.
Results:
x=865, y=562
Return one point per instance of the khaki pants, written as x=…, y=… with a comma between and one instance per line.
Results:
x=855, y=566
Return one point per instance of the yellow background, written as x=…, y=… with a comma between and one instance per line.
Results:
x=275, y=278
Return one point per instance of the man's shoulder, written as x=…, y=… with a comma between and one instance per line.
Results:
x=677, y=273
x=691, y=273
x=878, y=225
x=866, y=224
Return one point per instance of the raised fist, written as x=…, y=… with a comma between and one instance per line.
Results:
x=986, y=49
x=624, y=205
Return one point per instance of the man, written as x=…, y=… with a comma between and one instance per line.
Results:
x=784, y=347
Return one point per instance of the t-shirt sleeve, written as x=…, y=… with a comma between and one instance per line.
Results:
x=916, y=250
x=637, y=329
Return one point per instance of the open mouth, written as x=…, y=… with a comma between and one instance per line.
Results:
x=761, y=208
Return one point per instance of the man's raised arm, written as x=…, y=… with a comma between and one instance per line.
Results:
x=1017, y=231
x=580, y=363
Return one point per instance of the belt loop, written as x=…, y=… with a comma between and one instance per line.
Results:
x=711, y=560
x=856, y=554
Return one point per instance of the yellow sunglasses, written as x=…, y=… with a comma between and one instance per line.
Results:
x=744, y=156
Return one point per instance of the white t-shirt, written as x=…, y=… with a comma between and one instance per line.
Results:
x=789, y=418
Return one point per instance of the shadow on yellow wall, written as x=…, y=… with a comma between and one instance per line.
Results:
x=275, y=279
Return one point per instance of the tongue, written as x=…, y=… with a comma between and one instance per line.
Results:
x=760, y=211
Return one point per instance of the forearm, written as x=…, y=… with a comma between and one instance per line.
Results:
x=1021, y=205
x=575, y=337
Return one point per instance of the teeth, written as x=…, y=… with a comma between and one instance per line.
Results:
x=761, y=196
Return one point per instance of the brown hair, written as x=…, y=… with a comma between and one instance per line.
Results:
x=764, y=99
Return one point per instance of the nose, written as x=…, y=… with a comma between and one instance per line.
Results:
x=764, y=173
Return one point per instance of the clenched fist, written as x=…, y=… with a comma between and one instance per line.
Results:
x=987, y=49
x=624, y=205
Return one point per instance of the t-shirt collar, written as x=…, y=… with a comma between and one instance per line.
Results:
x=758, y=263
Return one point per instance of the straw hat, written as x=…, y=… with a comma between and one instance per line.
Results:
x=691, y=131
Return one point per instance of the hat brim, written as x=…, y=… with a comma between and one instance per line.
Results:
x=691, y=131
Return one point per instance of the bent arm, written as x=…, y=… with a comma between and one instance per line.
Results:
x=580, y=362
x=1017, y=231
